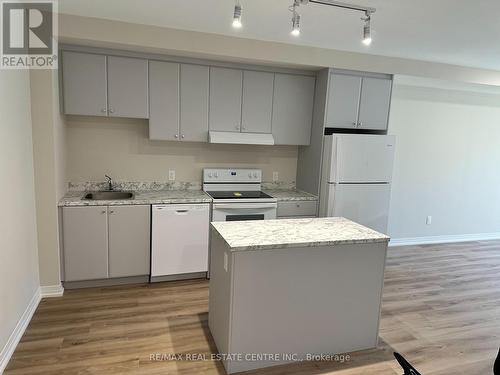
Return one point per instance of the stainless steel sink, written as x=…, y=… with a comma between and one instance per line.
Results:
x=109, y=195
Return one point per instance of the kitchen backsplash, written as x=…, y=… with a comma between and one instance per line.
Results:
x=162, y=185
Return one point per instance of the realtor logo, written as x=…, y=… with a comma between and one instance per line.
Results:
x=28, y=35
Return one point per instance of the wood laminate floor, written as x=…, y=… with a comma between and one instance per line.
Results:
x=441, y=309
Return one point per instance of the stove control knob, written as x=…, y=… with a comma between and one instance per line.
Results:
x=216, y=174
x=255, y=174
x=209, y=174
x=250, y=175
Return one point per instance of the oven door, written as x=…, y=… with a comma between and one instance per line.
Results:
x=243, y=211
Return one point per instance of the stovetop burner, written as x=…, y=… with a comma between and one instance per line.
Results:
x=238, y=194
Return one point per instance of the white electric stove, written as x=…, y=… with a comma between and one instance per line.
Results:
x=237, y=194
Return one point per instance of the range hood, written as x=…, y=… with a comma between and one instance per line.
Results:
x=240, y=138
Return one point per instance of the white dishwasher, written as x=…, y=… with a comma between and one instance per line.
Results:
x=179, y=240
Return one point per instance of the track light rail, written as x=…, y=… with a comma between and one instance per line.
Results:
x=341, y=4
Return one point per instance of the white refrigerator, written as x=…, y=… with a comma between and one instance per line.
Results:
x=356, y=178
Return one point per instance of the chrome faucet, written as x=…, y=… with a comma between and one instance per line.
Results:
x=110, y=182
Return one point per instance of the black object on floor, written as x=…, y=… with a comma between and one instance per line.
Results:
x=496, y=366
x=408, y=369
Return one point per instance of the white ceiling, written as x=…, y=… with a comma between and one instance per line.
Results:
x=460, y=32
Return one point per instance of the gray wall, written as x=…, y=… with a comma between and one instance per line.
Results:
x=115, y=34
x=121, y=148
x=18, y=240
x=447, y=159
x=49, y=163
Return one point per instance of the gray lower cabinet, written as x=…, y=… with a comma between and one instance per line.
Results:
x=129, y=240
x=103, y=242
x=85, y=241
x=257, y=104
x=225, y=99
x=127, y=87
x=292, y=109
x=297, y=209
x=84, y=84
x=358, y=101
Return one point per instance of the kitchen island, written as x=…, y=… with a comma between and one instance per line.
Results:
x=283, y=290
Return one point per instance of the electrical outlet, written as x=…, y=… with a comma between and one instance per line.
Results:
x=171, y=175
x=275, y=176
x=428, y=221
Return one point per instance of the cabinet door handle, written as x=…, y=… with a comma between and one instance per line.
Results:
x=355, y=124
x=111, y=110
x=103, y=212
x=182, y=136
x=103, y=110
x=176, y=136
x=237, y=126
x=360, y=124
x=111, y=212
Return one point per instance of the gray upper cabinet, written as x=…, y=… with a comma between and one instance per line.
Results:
x=374, y=103
x=127, y=87
x=292, y=109
x=129, y=239
x=84, y=84
x=178, y=102
x=99, y=85
x=183, y=101
x=343, y=101
x=194, y=91
x=358, y=101
x=225, y=99
x=163, y=101
x=85, y=240
x=257, y=106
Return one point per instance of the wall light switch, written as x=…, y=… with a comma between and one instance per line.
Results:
x=275, y=176
x=171, y=175
x=428, y=221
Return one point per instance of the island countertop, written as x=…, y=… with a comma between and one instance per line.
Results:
x=287, y=233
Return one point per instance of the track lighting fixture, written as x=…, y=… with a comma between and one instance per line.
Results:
x=237, y=15
x=295, y=21
x=368, y=11
x=367, y=34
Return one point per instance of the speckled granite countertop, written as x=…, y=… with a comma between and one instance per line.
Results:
x=290, y=195
x=278, y=234
x=74, y=198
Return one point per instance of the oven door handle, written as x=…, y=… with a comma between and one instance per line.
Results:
x=236, y=206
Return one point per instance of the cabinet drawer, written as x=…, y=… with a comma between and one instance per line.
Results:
x=297, y=208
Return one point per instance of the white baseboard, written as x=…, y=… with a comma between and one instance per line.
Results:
x=444, y=239
x=18, y=332
x=52, y=291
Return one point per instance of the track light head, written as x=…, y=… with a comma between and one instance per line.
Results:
x=237, y=16
x=367, y=33
x=295, y=24
x=295, y=18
